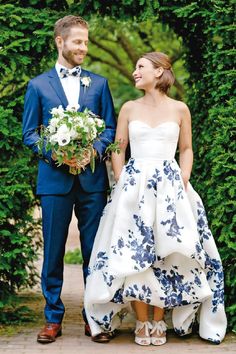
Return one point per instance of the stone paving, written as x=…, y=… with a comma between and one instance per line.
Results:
x=73, y=340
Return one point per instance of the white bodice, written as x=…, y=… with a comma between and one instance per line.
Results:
x=159, y=142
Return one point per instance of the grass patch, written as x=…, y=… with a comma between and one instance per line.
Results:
x=26, y=313
x=73, y=257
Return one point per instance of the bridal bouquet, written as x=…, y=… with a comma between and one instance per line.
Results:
x=71, y=134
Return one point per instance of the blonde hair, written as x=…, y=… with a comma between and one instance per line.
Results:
x=63, y=25
x=158, y=59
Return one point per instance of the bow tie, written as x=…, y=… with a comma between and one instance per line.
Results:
x=70, y=72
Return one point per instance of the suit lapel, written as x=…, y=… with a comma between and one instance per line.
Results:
x=57, y=86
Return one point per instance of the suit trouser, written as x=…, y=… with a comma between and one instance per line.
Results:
x=56, y=216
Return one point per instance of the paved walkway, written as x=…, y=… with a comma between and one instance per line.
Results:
x=73, y=340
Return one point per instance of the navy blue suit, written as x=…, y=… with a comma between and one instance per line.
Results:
x=61, y=191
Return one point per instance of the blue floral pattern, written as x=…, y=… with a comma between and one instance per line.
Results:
x=171, y=173
x=142, y=293
x=131, y=171
x=101, y=261
x=173, y=176
x=153, y=182
x=142, y=248
x=105, y=321
x=174, y=230
x=202, y=223
x=118, y=297
x=174, y=287
x=216, y=276
x=141, y=202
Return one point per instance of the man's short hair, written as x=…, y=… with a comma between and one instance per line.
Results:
x=63, y=25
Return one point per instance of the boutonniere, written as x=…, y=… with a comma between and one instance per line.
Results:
x=86, y=81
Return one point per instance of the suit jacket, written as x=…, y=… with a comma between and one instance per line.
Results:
x=45, y=92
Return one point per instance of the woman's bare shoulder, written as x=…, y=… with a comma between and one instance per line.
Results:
x=126, y=108
x=128, y=105
x=180, y=105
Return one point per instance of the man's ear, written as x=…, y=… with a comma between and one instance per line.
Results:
x=59, y=41
x=159, y=71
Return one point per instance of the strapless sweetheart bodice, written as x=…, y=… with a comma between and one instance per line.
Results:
x=158, y=142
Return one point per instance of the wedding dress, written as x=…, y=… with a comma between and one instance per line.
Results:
x=154, y=244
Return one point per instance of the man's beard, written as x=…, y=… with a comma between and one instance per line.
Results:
x=68, y=56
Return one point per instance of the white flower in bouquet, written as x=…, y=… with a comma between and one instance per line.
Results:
x=63, y=139
x=91, y=121
x=73, y=107
x=54, y=122
x=73, y=134
x=53, y=139
x=93, y=133
x=98, y=121
x=53, y=125
x=63, y=129
x=57, y=112
x=52, y=129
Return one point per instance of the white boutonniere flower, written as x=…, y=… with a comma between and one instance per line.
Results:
x=86, y=81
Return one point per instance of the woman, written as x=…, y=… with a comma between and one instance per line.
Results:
x=153, y=246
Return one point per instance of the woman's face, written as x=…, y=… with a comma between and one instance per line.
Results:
x=145, y=75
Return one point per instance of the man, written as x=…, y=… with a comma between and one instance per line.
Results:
x=59, y=190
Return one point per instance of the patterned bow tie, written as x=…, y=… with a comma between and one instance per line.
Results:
x=70, y=72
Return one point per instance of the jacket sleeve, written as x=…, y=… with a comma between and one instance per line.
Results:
x=32, y=119
x=108, y=115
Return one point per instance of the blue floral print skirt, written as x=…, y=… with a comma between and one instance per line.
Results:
x=154, y=245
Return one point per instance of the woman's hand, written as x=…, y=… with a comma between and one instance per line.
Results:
x=185, y=145
x=117, y=177
x=185, y=178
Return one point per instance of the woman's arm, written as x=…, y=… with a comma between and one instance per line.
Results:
x=122, y=135
x=185, y=145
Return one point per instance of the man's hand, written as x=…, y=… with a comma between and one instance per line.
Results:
x=73, y=162
x=87, y=158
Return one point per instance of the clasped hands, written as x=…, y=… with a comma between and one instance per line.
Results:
x=73, y=162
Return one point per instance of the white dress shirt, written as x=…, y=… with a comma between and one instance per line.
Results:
x=71, y=86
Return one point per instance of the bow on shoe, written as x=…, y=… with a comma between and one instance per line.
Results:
x=159, y=327
x=158, y=332
x=142, y=339
x=70, y=72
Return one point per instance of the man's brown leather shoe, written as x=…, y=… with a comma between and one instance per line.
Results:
x=49, y=333
x=87, y=330
x=103, y=337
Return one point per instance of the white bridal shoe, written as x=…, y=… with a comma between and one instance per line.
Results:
x=158, y=333
x=141, y=339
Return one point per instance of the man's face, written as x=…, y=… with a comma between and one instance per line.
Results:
x=73, y=49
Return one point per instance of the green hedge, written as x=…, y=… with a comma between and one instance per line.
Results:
x=18, y=241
